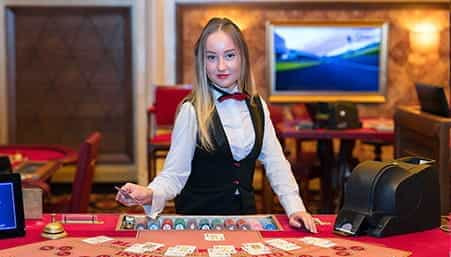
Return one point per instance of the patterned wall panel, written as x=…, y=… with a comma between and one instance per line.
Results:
x=72, y=76
x=404, y=67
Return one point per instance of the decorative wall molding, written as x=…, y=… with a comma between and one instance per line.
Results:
x=312, y=1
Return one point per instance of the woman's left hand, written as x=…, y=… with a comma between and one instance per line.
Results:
x=303, y=219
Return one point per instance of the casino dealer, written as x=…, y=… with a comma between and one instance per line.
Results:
x=221, y=129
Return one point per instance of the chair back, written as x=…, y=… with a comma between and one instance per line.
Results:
x=276, y=114
x=81, y=188
x=167, y=99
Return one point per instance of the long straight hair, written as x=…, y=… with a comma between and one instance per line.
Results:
x=201, y=96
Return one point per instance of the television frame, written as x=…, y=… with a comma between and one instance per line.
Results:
x=292, y=96
x=15, y=205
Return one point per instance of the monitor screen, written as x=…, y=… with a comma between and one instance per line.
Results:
x=7, y=218
x=432, y=99
x=345, y=60
x=11, y=205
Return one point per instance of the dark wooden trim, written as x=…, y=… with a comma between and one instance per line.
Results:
x=425, y=135
x=316, y=4
x=178, y=44
x=129, y=81
x=120, y=26
x=10, y=74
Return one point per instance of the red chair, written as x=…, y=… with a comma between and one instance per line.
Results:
x=161, y=115
x=82, y=185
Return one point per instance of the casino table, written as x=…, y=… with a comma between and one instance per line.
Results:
x=38, y=162
x=426, y=243
x=38, y=153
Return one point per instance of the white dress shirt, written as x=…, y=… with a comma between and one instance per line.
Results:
x=239, y=130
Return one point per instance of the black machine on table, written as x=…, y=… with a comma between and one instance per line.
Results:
x=389, y=198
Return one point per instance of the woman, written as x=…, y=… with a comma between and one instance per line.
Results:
x=221, y=129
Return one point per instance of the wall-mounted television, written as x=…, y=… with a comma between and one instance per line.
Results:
x=311, y=61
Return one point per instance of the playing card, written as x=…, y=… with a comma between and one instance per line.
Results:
x=214, y=237
x=180, y=250
x=282, y=244
x=217, y=252
x=97, y=240
x=173, y=251
x=125, y=198
x=150, y=246
x=317, y=241
x=255, y=248
x=227, y=248
x=135, y=248
x=325, y=244
x=189, y=249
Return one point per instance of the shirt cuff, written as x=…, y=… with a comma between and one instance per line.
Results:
x=158, y=203
x=292, y=204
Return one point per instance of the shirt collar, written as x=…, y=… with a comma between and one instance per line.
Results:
x=217, y=94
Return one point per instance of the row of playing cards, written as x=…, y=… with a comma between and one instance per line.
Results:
x=317, y=241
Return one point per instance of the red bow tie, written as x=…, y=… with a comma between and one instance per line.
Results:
x=235, y=96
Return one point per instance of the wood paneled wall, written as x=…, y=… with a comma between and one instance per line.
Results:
x=69, y=74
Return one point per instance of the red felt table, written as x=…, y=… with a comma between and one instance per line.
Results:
x=40, y=153
x=427, y=243
x=37, y=163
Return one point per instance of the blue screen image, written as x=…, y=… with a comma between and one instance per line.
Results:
x=7, y=207
x=321, y=58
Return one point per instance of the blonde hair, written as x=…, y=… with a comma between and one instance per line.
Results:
x=201, y=96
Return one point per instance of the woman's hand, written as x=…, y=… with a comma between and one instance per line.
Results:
x=131, y=194
x=303, y=219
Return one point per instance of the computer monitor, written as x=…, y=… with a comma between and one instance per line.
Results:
x=12, y=222
x=432, y=99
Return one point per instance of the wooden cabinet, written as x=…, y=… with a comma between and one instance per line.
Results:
x=427, y=135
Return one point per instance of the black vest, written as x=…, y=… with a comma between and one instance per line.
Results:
x=216, y=176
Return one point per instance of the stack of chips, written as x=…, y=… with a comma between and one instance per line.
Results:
x=141, y=223
x=153, y=224
x=204, y=224
x=229, y=224
x=191, y=224
x=217, y=224
x=268, y=225
x=179, y=224
x=242, y=224
x=128, y=222
x=255, y=224
x=167, y=224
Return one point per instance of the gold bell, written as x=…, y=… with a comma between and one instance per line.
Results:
x=54, y=229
